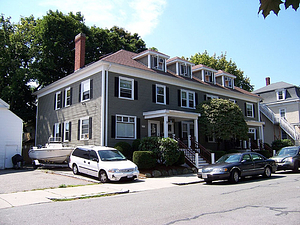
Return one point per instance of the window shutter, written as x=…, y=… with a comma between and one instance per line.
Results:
x=54, y=100
x=91, y=88
x=116, y=86
x=71, y=95
x=245, y=105
x=70, y=128
x=59, y=129
x=196, y=99
x=179, y=98
x=205, y=98
x=62, y=99
x=167, y=95
x=138, y=128
x=78, y=137
x=154, y=93
x=113, y=126
x=90, y=128
x=62, y=131
x=53, y=131
x=79, y=98
x=253, y=110
x=136, y=95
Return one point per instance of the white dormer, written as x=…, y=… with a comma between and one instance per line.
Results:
x=205, y=73
x=180, y=67
x=153, y=59
x=225, y=79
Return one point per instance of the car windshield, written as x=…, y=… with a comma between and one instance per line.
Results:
x=111, y=155
x=288, y=151
x=229, y=158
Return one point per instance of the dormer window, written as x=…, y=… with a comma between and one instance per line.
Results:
x=280, y=94
x=158, y=63
x=185, y=70
x=208, y=76
x=228, y=82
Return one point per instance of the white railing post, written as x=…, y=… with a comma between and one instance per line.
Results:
x=189, y=141
x=197, y=160
x=212, y=158
x=274, y=152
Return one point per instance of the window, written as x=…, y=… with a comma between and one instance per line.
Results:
x=187, y=99
x=228, y=82
x=282, y=113
x=158, y=63
x=125, y=127
x=249, y=110
x=211, y=139
x=209, y=97
x=256, y=157
x=232, y=100
x=160, y=94
x=58, y=100
x=208, y=76
x=185, y=70
x=126, y=88
x=67, y=131
x=85, y=90
x=85, y=128
x=56, y=132
x=68, y=96
x=280, y=94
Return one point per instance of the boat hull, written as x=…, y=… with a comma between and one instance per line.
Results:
x=51, y=155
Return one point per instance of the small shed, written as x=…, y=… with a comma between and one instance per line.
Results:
x=10, y=135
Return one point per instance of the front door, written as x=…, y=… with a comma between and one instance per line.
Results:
x=187, y=129
x=154, y=128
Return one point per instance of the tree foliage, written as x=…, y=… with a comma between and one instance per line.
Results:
x=222, y=119
x=43, y=50
x=266, y=6
x=221, y=63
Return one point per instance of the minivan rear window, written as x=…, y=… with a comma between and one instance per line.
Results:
x=111, y=155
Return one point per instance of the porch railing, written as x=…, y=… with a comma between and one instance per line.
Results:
x=204, y=153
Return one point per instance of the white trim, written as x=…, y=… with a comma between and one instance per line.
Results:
x=252, y=110
x=132, y=87
x=66, y=122
x=65, y=96
x=164, y=95
x=158, y=127
x=85, y=82
x=187, y=99
x=56, y=95
x=171, y=113
x=80, y=133
x=135, y=127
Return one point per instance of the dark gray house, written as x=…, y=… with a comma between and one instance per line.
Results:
x=126, y=96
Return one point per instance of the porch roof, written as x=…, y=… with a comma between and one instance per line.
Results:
x=171, y=113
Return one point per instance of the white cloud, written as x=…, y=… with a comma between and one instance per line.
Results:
x=136, y=16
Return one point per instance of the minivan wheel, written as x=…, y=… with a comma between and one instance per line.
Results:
x=234, y=177
x=267, y=172
x=103, y=176
x=75, y=169
x=296, y=166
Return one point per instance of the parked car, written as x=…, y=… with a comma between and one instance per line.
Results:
x=108, y=164
x=234, y=166
x=288, y=158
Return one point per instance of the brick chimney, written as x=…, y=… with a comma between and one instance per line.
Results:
x=268, y=81
x=79, y=51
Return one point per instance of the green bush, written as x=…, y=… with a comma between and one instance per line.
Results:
x=169, y=151
x=144, y=159
x=151, y=144
x=279, y=144
x=181, y=159
x=125, y=149
x=135, y=145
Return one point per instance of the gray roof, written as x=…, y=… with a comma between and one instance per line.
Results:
x=273, y=87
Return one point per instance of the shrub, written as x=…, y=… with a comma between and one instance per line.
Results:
x=144, y=159
x=125, y=149
x=135, y=145
x=279, y=144
x=181, y=159
x=169, y=151
x=151, y=144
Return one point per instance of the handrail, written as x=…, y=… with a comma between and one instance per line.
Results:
x=188, y=152
x=204, y=153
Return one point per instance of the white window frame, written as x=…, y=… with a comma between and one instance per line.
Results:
x=131, y=90
x=67, y=125
x=125, y=120
x=211, y=139
x=85, y=87
x=56, y=131
x=58, y=101
x=187, y=99
x=281, y=111
x=229, y=80
x=163, y=95
x=158, y=62
x=232, y=100
x=252, y=110
x=210, y=74
x=67, y=98
x=85, y=135
x=281, y=92
x=209, y=97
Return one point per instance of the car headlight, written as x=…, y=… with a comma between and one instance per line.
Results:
x=288, y=159
x=218, y=170
x=200, y=170
x=114, y=170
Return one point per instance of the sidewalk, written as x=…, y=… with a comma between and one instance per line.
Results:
x=97, y=189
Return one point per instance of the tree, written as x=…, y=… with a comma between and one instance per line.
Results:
x=221, y=63
x=266, y=6
x=222, y=119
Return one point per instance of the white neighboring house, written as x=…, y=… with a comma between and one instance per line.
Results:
x=10, y=135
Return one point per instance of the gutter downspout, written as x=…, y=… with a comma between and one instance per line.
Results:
x=106, y=105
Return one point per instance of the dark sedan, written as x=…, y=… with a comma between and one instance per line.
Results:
x=234, y=166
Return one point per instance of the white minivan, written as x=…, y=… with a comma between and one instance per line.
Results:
x=108, y=164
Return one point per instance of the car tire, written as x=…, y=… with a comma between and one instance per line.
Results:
x=75, y=169
x=296, y=167
x=103, y=176
x=208, y=181
x=234, y=177
x=267, y=172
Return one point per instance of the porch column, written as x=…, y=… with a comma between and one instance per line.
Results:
x=196, y=129
x=166, y=118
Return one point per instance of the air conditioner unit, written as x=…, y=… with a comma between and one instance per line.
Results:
x=85, y=136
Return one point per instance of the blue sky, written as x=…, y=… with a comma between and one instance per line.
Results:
x=260, y=47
